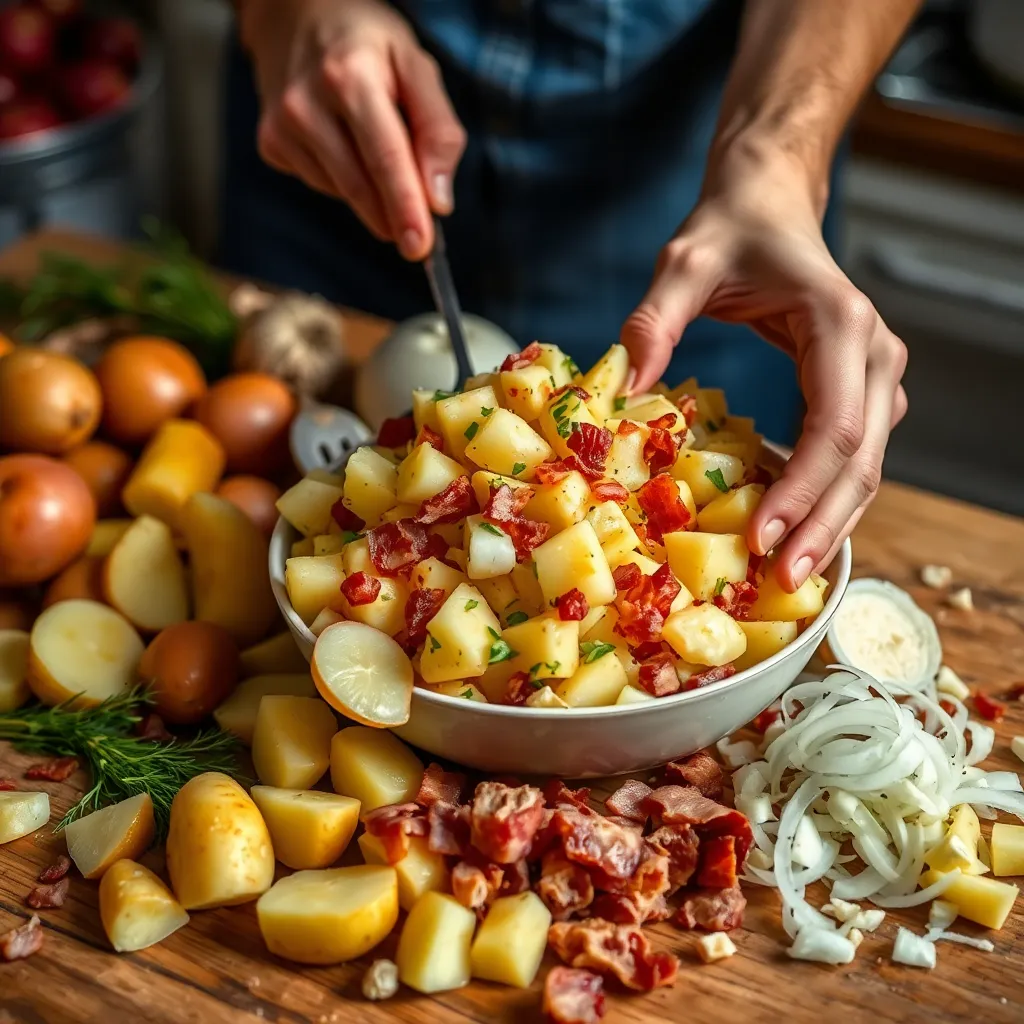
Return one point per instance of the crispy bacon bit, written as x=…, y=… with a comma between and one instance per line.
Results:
x=661, y=449
x=393, y=825
x=718, y=863
x=659, y=498
x=627, y=576
x=715, y=674
x=475, y=886
x=626, y=823
x=438, y=784
x=360, y=588
x=554, y=472
x=620, y=950
x=427, y=435
x=572, y=606
x=630, y=908
x=658, y=675
x=346, y=518
x=455, y=502
x=21, y=942
x=566, y=888
x=45, y=897
x=518, y=360
x=665, y=422
x=504, y=821
x=687, y=405
x=627, y=427
x=718, y=910
x=504, y=509
x=699, y=770
x=680, y=845
x=597, y=843
x=609, y=490
x=581, y=393
x=590, y=444
x=6, y=785
x=448, y=829
x=558, y=794
x=684, y=805
x=396, y=431
x=736, y=599
x=989, y=709
x=644, y=608
x=649, y=648
x=515, y=878
x=573, y=996
x=152, y=728
x=626, y=800
x=420, y=607
x=518, y=689
x=57, y=770
x=56, y=871
x=395, y=548
x=766, y=718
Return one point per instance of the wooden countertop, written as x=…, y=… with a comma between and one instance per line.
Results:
x=217, y=971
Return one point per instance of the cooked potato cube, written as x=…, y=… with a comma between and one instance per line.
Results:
x=371, y=482
x=982, y=900
x=531, y=597
x=730, y=512
x=500, y=592
x=546, y=647
x=120, y=830
x=309, y=829
x=458, y=688
x=374, y=767
x=307, y=505
x=291, y=743
x=355, y=557
x=313, y=583
x=763, y=640
x=433, y=574
x=594, y=684
x=712, y=406
x=614, y=532
x=633, y=695
x=136, y=908
x=329, y=917
x=646, y=408
x=693, y=468
x=574, y=559
x=329, y=544
x=385, y=612
x=746, y=450
x=459, y=637
x=419, y=871
x=484, y=483
x=1007, y=849
x=433, y=949
x=773, y=603
x=494, y=682
x=22, y=813
x=602, y=631
x=648, y=566
x=425, y=472
x=605, y=380
x=238, y=713
x=625, y=463
x=303, y=548
x=526, y=390
x=505, y=443
x=489, y=549
x=704, y=634
x=558, y=364
x=510, y=944
x=424, y=408
x=561, y=504
x=458, y=414
x=702, y=561
x=328, y=617
x=557, y=418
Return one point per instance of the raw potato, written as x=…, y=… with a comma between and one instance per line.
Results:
x=773, y=603
x=21, y=814
x=228, y=556
x=309, y=829
x=136, y=908
x=279, y=654
x=1007, y=849
x=313, y=583
x=459, y=637
x=434, y=947
x=763, y=640
x=374, y=767
x=692, y=467
x=105, y=534
x=510, y=944
x=705, y=635
x=291, y=744
x=238, y=713
x=505, y=441
x=370, y=485
x=219, y=852
x=425, y=472
x=982, y=900
x=121, y=830
x=419, y=871
x=144, y=579
x=731, y=512
x=307, y=505
x=574, y=559
x=82, y=650
x=14, y=648
x=329, y=917
x=182, y=459
x=701, y=560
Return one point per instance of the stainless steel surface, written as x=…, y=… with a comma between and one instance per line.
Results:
x=323, y=436
x=439, y=274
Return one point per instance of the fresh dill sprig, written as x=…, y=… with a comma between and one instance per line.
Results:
x=120, y=764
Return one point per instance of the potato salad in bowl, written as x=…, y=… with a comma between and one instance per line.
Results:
x=539, y=574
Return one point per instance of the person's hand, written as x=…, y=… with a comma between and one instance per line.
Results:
x=355, y=107
x=752, y=252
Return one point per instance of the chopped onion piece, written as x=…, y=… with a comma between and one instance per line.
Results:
x=941, y=914
x=737, y=754
x=936, y=935
x=912, y=950
x=822, y=946
x=840, y=909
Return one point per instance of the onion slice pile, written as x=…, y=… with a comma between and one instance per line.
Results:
x=878, y=765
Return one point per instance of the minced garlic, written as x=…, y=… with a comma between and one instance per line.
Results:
x=936, y=576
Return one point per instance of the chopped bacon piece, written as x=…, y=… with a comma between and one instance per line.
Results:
x=427, y=435
x=21, y=942
x=572, y=606
x=581, y=393
x=630, y=908
x=438, y=784
x=766, y=718
x=455, y=502
x=626, y=823
x=649, y=648
x=475, y=886
x=554, y=472
x=699, y=770
x=989, y=709
x=396, y=431
x=566, y=888
x=659, y=498
x=346, y=518
x=609, y=490
x=644, y=608
x=665, y=422
x=45, y=897
x=360, y=588
x=518, y=360
x=395, y=548
x=680, y=845
x=515, y=878
x=152, y=728
x=56, y=871
x=393, y=825
x=504, y=509
x=707, y=676
x=573, y=996
x=448, y=829
x=626, y=800
x=620, y=950
x=718, y=910
x=627, y=427
x=684, y=805
x=658, y=674
x=57, y=770
x=736, y=599
x=518, y=689
x=590, y=444
x=504, y=821
x=6, y=785
x=661, y=449
x=717, y=868
x=558, y=794
x=687, y=405
x=651, y=878
x=627, y=576
x=420, y=607
x=598, y=843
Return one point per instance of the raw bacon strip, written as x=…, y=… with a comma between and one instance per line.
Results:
x=713, y=910
x=57, y=770
x=504, y=820
x=644, y=608
x=572, y=606
x=396, y=431
x=346, y=518
x=699, y=770
x=455, y=502
x=395, y=548
x=49, y=896
x=609, y=490
x=6, y=785
x=420, y=607
x=573, y=996
x=439, y=785
x=429, y=436
x=680, y=845
x=56, y=871
x=736, y=599
x=659, y=498
x=566, y=888
x=448, y=829
x=715, y=674
x=622, y=951
x=679, y=805
x=658, y=675
x=21, y=942
x=474, y=886
x=518, y=360
x=627, y=576
x=597, y=843
x=718, y=863
x=558, y=794
x=590, y=444
x=360, y=588
x=661, y=448
x=393, y=825
x=626, y=800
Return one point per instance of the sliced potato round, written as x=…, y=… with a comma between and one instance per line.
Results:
x=122, y=830
x=364, y=674
x=83, y=650
x=14, y=691
x=136, y=908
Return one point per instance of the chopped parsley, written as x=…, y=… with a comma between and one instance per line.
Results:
x=559, y=410
x=715, y=476
x=484, y=411
x=347, y=536
x=594, y=649
x=534, y=669
x=491, y=528
x=516, y=617
x=471, y=604
x=471, y=430
x=500, y=650
x=440, y=396
x=720, y=585
x=537, y=684
x=468, y=694
x=620, y=403
x=552, y=666
x=571, y=368
x=435, y=644
x=518, y=468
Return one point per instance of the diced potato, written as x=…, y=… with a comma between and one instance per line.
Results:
x=488, y=379
x=331, y=916
x=1007, y=849
x=434, y=947
x=14, y=689
x=355, y=557
x=500, y=592
x=614, y=532
x=693, y=468
x=371, y=482
x=561, y=504
x=459, y=637
x=763, y=640
x=494, y=682
x=489, y=549
x=328, y=544
x=451, y=533
x=964, y=823
x=458, y=556
x=458, y=688
x=702, y=561
x=505, y=443
x=821, y=583
x=985, y=901
x=307, y=505
x=291, y=744
x=730, y=512
x=595, y=684
x=237, y=714
x=425, y=472
x=558, y=364
x=397, y=512
x=648, y=566
x=457, y=414
x=313, y=583
x=704, y=634
x=557, y=418
x=385, y=612
x=309, y=829
x=325, y=476
x=120, y=830
x=278, y=654
x=22, y=813
x=419, y=871
x=712, y=406
x=746, y=449
x=303, y=548
x=374, y=767
x=531, y=597
x=510, y=944
x=644, y=409
x=136, y=908
x=526, y=390
x=958, y=848
x=605, y=380
x=633, y=695
x=773, y=603
x=545, y=647
x=424, y=409
x=327, y=617
x=574, y=559
x=433, y=574
x=743, y=426
x=602, y=631
x=625, y=463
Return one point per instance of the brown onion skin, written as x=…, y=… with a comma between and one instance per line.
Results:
x=256, y=497
x=105, y=469
x=47, y=515
x=83, y=578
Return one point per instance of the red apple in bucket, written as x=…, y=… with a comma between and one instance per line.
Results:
x=27, y=39
x=93, y=86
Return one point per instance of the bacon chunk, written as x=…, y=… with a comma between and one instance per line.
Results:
x=504, y=508
x=598, y=843
x=395, y=548
x=714, y=910
x=680, y=845
x=57, y=770
x=626, y=823
x=554, y=472
x=621, y=951
x=518, y=689
x=21, y=942
x=627, y=427
x=566, y=888
x=736, y=599
x=455, y=502
x=659, y=498
x=56, y=871
x=572, y=605
x=626, y=800
x=627, y=576
x=989, y=709
x=581, y=393
x=448, y=829
x=393, y=825
x=630, y=908
x=573, y=996
x=420, y=607
x=360, y=588
x=504, y=820
x=590, y=445
x=346, y=518
x=519, y=360
x=679, y=805
x=396, y=431
x=658, y=676
x=766, y=718
x=644, y=608
x=661, y=447
x=427, y=435
x=152, y=728
x=699, y=770
x=49, y=896
x=439, y=785
x=715, y=674
x=475, y=886
x=515, y=878
x=6, y=785
x=558, y=794
x=718, y=863
x=609, y=490
x=687, y=405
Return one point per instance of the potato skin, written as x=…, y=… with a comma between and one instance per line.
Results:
x=219, y=852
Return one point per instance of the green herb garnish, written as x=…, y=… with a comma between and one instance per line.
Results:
x=491, y=528
x=468, y=694
x=534, y=669
x=537, y=684
x=347, y=536
x=570, y=366
x=620, y=403
x=720, y=585
x=484, y=411
x=552, y=666
x=471, y=430
x=594, y=649
x=516, y=617
x=518, y=468
x=471, y=604
x=715, y=476
x=440, y=396
x=500, y=650
x=435, y=644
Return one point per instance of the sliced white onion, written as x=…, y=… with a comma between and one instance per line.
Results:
x=934, y=935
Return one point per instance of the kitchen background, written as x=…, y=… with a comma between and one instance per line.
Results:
x=934, y=199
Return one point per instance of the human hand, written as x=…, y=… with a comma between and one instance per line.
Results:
x=355, y=107
x=752, y=252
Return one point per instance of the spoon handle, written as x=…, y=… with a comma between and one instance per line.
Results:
x=439, y=274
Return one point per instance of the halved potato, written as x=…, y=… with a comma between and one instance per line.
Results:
x=21, y=814
x=309, y=829
x=238, y=713
x=14, y=691
x=374, y=767
x=136, y=908
x=122, y=830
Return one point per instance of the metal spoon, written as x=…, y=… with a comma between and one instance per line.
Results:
x=323, y=436
x=439, y=274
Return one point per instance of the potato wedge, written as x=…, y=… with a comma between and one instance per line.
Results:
x=238, y=713
x=309, y=829
x=121, y=831
x=14, y=690
x=291, y=744
x=136, y=908
x=21, y=814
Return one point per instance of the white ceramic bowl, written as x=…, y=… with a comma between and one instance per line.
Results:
x=589, y=742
